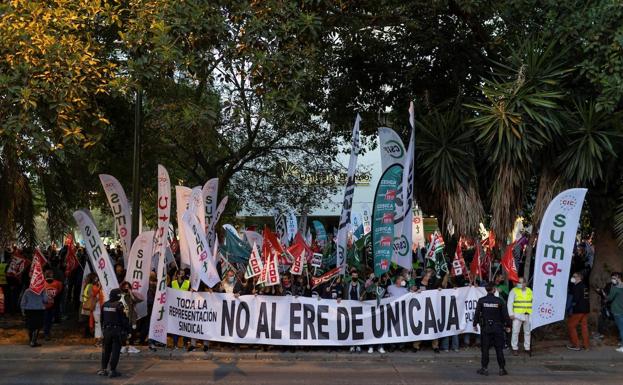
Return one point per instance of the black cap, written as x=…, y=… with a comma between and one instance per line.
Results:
x=115, y=294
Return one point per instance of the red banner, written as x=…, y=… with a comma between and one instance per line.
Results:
x=37, y=281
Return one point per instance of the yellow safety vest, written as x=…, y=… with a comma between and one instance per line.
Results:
x=523, y=301
x=3, y=273
x=185, y=285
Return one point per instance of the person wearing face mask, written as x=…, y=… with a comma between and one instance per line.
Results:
x=53, y=288
x=130, y=299
x=230, y=285
x=354, y=291
x=581, y=308
x=520, y=310
x=615, y=298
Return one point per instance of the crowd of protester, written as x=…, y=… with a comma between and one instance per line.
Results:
x=68, y=293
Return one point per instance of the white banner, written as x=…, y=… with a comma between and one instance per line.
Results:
x=307, y=321
x=139, y=267
x=210, y=196
x=366, y=218
x=182, y=200
x=202, y=261
x=554, y=251
x=347, y=203
x=157, y=324
x=281, y=227
x=211, y=234
x=120, y=207
x=291, y=224
x=403, y=221
x=255, y=263
x=96, y=251
x=418, y=237
x=392, y=148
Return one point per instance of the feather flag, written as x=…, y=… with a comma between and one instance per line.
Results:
x=255, y=265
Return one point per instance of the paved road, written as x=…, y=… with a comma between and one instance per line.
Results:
x=357, y=369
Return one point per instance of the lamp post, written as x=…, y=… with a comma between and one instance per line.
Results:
x=136, y=170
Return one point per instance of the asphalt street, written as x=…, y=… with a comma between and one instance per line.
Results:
x=66, y=367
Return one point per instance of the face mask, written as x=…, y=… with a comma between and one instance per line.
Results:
x=408, y=277
x=403, y=283
x=231, y=279
x=573, y=280
x=495, y=293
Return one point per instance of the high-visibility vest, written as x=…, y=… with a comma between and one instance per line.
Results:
x=523, y=301
x=185, y=285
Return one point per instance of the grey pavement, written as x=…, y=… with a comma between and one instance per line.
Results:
x=77, y=365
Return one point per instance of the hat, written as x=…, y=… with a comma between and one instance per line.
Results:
x=115, y=294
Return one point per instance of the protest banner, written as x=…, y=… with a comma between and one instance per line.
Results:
x=96, y=251
x=139, y=267
x=383, y=213
x=554, y=251
x=157, y=324
x=120, y=207
x=347, y=203
x=304, y=321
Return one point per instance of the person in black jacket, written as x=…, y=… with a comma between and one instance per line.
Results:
x=492, y=316
x=580, y=309
x=114, y=324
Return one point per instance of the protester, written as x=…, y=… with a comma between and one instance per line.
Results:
x=580, y=309
x=129, y=299
x=95, y=323
x=445, y=342
x=428, y=282
x=114, y=324
x=354, y=292
x=615, y=298
x=520, y=310
x=492, y=316
x=180, y=282
x=33, y=308
x=53, y=288
x=88, y=303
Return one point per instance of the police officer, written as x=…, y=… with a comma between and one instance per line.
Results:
x=115, y=324
x=492, y=315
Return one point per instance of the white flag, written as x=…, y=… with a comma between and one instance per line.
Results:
x=254, y=237
x=120, y=207
x=347, y=203
x=182, y=200
x=211, y=234
x=158, y=321
x=202, y=261
x=255, y=263
x=210, y=196
x=554, y=252
x=139, y=267
x=96, y=251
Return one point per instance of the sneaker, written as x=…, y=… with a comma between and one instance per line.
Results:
x=352, y=349
x=358, y=349
x=124, y=349
x=370, y=350
x=515, y=352
x=133, y=350
x=152, y=348
x=114, y=373
x=436, y=350
x=503, y=372
x=620, y=350
x=381, y=350
x=190, y=348
x=456, y=350
x=102, y=372
x=205, y=348
x=445, y=350
x=529, y=353
x=483, y=372
x=574, y=348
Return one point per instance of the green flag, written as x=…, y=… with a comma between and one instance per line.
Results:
x=235, y=249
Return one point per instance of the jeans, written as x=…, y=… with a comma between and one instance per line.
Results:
x=444, y=342
x=618, y=320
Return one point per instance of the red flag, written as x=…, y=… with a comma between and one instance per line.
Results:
x=475, y=265
x=491, y=239
x=458, y=264
x=508, y=262
x=299, y=246
x=37, y=281
x=270, y=245
x=326, y=277
x=17, y=266
x=71, y=261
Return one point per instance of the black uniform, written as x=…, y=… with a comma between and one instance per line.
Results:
x=492, y=315
x=115, y=324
